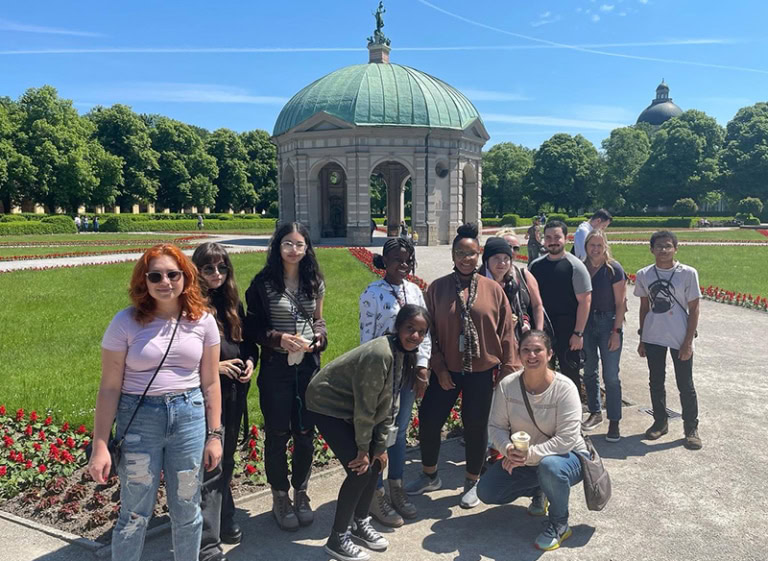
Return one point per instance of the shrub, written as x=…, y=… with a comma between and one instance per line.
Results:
x=685, y=207
x=134, y=223
x=752, y=221
x=491, y=222
x=33, y=227
x=274, y=210
x=13, y=218
x=750, y=205
x=511, y=219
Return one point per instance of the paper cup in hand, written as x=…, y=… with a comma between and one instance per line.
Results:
x=521, y=440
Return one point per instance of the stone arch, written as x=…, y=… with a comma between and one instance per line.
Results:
x=288, y=194
x=395, y=173
x=328, y=200
x=470, y=193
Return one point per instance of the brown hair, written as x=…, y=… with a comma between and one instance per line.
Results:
x=191, y=300
x=211, y=252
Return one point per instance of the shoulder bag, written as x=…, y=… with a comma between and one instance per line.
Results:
x=597, y=482
x=115, y=445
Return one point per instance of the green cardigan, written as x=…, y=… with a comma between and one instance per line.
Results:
x=359, y=386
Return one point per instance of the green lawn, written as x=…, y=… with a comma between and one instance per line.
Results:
x=90, y=238
x=697, y=235
x=52, y=322
x=139, y=245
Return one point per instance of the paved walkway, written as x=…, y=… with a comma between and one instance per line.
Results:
x=669, y=504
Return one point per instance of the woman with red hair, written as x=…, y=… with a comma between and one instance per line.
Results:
x=160, y=383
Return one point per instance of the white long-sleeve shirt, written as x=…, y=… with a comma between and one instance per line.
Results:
x=379, y=307
x=557, y=411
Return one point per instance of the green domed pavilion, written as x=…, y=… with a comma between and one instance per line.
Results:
x=379, y=119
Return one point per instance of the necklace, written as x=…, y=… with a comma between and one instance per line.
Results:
x=401, y=301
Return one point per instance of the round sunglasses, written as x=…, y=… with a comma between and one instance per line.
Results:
x=156, y=276
x=209, y=269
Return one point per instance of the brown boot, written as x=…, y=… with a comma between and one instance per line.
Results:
x=400, y=501
x=383, y=512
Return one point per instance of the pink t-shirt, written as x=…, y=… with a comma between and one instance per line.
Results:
x=146, y=345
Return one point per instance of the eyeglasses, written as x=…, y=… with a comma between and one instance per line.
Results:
x=505, y=260
x=287, y=244
x=157, y=276
x=209, y=269
x=461, y=254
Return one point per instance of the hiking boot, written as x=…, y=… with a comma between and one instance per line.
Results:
x=363, y=531
x=539, y=504
x=230, y=532
x=613, y=434
x=657, y=430
x=400, y=501
x=340, y=546
x=423, y=483
x=301, y=507
x=282, y=509
x=552, y=537
x=692, y=440
x=382, y=511
x=469, y=498
x=593, y=421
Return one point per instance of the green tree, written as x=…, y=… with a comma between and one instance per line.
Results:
x=625, y=152
x=234, y=190
x=565, y=172
x=685, y=207
x=751, y=205
x=378, y=195
x=125, y=134
x=261, y=167
x=505, y=167
x=186, y=171
x=16, y=170
x=683, y=162
x=744, y=159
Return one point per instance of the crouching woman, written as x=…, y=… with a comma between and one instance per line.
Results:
x=545, y=405
x=356, y=398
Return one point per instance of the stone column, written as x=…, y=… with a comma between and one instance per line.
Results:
x=135, y=209
x=40, y=209
x=116, y=209
x=151, y=208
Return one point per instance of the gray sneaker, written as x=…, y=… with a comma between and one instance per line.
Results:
x=282, y=510
x=301, y=507
x=469, y=498
x=362, y=531
x=593, y=421
x=400, y=500
x=423, y=483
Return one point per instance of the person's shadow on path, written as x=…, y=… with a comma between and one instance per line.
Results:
x=635, y=445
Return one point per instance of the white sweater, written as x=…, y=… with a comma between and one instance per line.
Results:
x=557, y=411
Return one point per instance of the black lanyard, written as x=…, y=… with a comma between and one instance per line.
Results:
x=402, y=302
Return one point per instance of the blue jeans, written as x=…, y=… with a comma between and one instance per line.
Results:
x=555, y=475
x=596, y=337
x=396, y=452
x=168, y=435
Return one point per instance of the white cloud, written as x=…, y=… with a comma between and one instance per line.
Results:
x=607, y=8
x=552, y=122
x=7, y=25
x=595, y=18
x=170, y=92
x=491, y=95
x=545, y=15
x=545, y=20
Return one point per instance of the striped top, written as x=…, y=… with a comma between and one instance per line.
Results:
x=286, y=316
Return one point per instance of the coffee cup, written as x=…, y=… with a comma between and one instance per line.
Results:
x=521, y=440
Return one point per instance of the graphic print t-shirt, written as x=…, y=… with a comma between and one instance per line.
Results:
x=668, y=292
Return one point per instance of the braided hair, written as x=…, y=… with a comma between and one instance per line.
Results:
x=395, y=244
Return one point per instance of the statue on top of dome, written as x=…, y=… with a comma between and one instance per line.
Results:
x=378, y=35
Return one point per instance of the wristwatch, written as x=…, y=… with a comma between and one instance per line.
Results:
x=640, y=331
x=619, y=330
x=218, y=432
x=579, y=333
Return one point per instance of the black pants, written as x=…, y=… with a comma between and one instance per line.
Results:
x=476, y=394
x=657, y=363
x=357, y=490
x=217, y=505
x=282, y=391
x=569, y=362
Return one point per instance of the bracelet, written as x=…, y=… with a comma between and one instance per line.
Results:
x=218, y=432
x=426, y=380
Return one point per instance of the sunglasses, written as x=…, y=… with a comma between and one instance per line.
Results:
x=156, y=276
x=515, y=247
x=209, y=269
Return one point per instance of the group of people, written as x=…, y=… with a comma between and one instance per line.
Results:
x=177, y=366
x=83, y=225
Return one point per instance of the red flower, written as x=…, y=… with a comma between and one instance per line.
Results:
x=33, y=416
x=415, y=422
x=37, y=446
x=255, y=431
x=48, y=421
x=65, y=427
x=250, y=469
x=41, y=468
x=66, y=457
x=3, y=470
x=59, y=442
x=2, y=409
x=251, y=443
x=19, y=414
x=28, y=465
x=8, y=441
x=86, y=442
x=325, y=446
x=81, y=429
x=53, y=452
x=12, y=455
x=70, y=442
x=254, y=455
x=29, y=430
x=41, y=435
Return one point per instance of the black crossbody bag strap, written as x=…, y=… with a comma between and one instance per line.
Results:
x=299, y=306
x=528, y=407
x=159, y=366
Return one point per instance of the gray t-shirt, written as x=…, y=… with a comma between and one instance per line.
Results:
x=668, y=292
x=560, y=280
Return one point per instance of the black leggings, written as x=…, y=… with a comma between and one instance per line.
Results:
x=476, y=394
x=569, y=361
x=357, y=490
x=282, y=391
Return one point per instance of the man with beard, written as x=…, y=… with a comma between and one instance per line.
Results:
x=566, y=291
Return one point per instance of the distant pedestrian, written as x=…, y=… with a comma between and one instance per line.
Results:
x=78, y=224
x=85, y=223
x=534, y=240
x=96, y=224
x=403, y=230
x=600, y=220
x=669, y=315
x=200, y=224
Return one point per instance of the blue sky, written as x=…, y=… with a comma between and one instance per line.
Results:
x=532, y=68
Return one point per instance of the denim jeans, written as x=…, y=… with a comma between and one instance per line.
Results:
x=596, y=337
x=396, y=452
x=168, y=435
x=657, y=365
x=555, y=475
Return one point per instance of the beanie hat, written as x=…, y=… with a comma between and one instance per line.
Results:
x=494, y=246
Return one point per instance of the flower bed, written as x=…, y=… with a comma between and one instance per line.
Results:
x=717, y=294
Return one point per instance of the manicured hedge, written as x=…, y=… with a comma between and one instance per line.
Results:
x=12, y=218
x=32, y=227
x=132, y=223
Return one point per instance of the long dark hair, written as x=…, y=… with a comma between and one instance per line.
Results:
x=226, y=295
x=310, y=275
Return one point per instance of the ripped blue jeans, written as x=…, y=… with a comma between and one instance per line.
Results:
x=168, y=435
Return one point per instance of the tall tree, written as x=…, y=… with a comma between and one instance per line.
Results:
x=16, y=170
x=505, y=167
x=625, y=152
x=234, y=190
x=124, y=133
x=683, y=161
x=186, y=171
x=744, y=159
x=565, y=172
x=262, y=167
